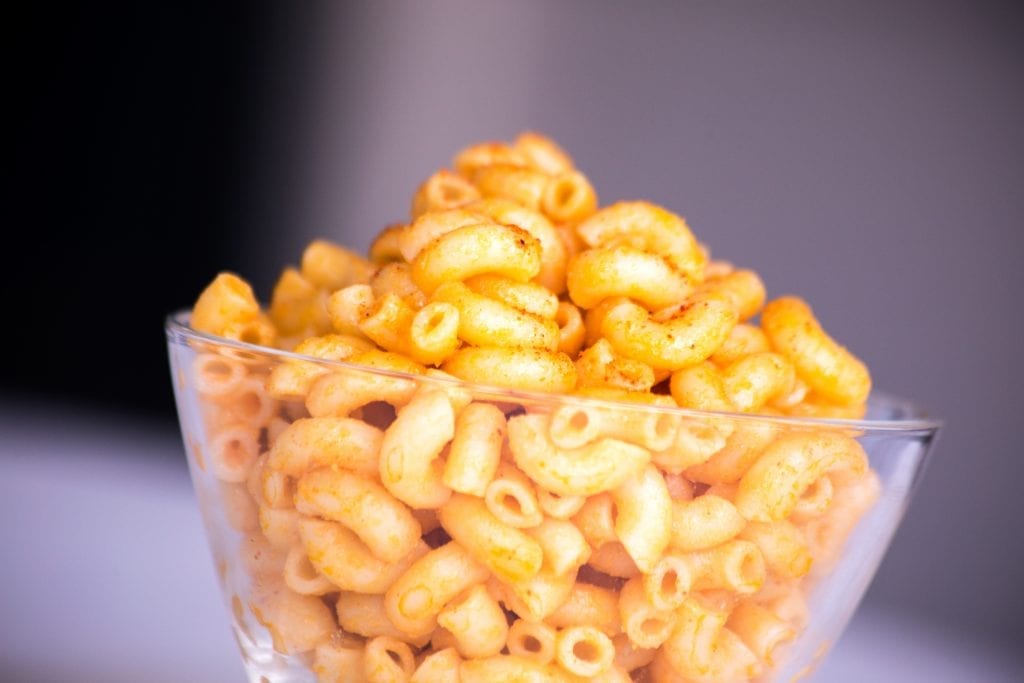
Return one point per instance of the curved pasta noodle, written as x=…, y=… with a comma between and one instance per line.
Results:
x=383, y=523
x=476, y=249
x=771, y=488
x=410, y=465
x=598, y=274
x=599, y=466
x=530, y=369
x=428, y=584
x=828, y=368
x=650, y=228
x=483, y=321
x=689, y=337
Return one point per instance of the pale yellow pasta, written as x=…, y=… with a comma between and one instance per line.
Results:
x=511, y=498
x=559, y=507
x=772, y=486
x=584, y=651
x=598, y=274
x=483, y=154
x=554, y=256
x=395, y=278
x=629, y=657
x=383, y=523
x=701, y=387
x=644, y=521
x=743, y=288
x=742, y=447
x=668, y=583
x=240, y=510
x=565, y=549
x=735, y=565
x=226, y=304
x=743, y=340
x=815, y=500
x=508, y=668
x=333, y=663
x=541, y=152
x=648, y=227
x=704, y=522
x=787, y=601
x=419, y=594
x=443, y=190
x=537, y=597
x=596, y=519
x=593, y=319
x=293, y=379
x=760, y=630
x=571, y=331
x=429, y=226
x=477, y=622
x=384, y=248
x=247, y=405
x=599, y=466
x=614, y=560
x=508, y=552
x=388, y=660
x=532, y=640
x=600, y=366
x=756, y=379
x=569, y=198
x=475, y=449
x=387, y=323
x=575, y=425
x=331, y=267
x=696, y=442
x=827, y=534
x=339, y=393
x=476, y=249
x=364, y=614
x=338, y=554
x=524, y=186
x=301, y=576
x=216, y=375
x=645, y=625
x=296, y=623
x=688, y=337
x=298, y=307
x=441, y=666
x=410, y=467
x=702, y=650
x=529, y=297
x=530, y=369
x=279, y=526
x=588, y=604
x=314, y=442
x=232, y=453
x=348, y=307
x=433, y=333
x=828, y=368
x=483, y=321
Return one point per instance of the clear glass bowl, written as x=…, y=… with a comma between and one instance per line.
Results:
x=775, y=525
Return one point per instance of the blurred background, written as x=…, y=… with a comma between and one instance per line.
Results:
x=868, y=155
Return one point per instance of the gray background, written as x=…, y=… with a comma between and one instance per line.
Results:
x=868, y=155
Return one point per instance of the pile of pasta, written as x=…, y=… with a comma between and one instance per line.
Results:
x=510, y=491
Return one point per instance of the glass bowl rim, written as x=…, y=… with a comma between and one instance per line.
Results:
x=177, y=328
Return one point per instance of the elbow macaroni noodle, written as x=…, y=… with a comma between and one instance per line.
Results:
x=403, y=527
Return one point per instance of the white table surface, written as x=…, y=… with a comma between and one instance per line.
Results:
x=107, y=578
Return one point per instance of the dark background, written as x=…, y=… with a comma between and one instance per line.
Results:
x=869, y=155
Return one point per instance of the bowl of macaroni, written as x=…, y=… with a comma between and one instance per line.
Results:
x=530, y=438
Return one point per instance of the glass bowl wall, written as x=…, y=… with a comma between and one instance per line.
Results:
x=696, y=546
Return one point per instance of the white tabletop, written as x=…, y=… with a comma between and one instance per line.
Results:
x=106, y=574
